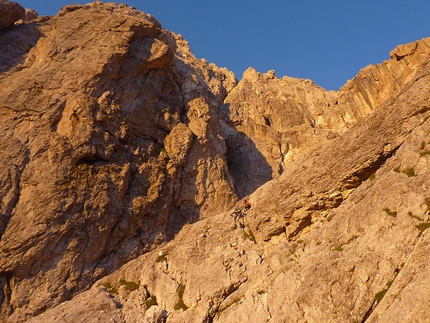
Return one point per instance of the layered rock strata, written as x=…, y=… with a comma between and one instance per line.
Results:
x=270, y=121
x=122, y=155
x=110, y=142
x=341, y=236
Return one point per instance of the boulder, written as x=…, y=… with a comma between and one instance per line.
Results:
x=10, y=12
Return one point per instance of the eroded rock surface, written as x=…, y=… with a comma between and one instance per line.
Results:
x=110, y=143
x=270, y=121
x=122, y=154
x=10, y=12
x=353, y=247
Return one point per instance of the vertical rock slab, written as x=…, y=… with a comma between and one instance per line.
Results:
x=93, y=110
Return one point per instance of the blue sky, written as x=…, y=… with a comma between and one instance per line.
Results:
x=325, y=41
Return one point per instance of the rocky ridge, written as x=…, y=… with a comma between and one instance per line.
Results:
x=346, y=242
x=125, y=145
x=268, y=121
x=141, y=151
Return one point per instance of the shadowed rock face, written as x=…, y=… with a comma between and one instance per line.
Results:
x=122, y=155
x=10, y=12
x=340, y=236
x=110, y=142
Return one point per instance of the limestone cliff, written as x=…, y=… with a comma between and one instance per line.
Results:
x=269, y=121
x=110, y=142
x=123, y=157
x=341, y=236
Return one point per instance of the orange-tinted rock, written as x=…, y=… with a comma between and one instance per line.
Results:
x=270, y=121
x=110, y=143
x=118, y=148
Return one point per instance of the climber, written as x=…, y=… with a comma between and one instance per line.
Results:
x=247, y=204
x=237, y=214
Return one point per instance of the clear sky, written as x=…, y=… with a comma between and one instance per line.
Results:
x=325, y=41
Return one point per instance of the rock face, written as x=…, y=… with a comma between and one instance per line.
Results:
x=10, y=12
x=269, y=121
x=110, y=142
x=342, y=242
x=29, y=15
x=124, y=156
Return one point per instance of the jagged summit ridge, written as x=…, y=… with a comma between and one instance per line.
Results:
x=120, y=174
x=269, y=120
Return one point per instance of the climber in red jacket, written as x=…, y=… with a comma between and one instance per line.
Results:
x=247, y=204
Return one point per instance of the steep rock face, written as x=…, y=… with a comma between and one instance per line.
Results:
x=10, y=12
x=341, y=236
x=110, y=142
x=266, y=120
x=376, y=83
x=269, y=121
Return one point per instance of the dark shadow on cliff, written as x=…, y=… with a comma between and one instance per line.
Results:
x=15, y=43
x=247, y=165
